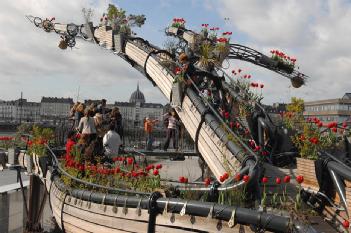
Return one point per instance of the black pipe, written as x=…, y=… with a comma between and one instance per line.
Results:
x=340, y=188
x=153, y=211
x=244, y=216
x=340, y=169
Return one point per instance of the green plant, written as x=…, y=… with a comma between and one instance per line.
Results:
x=40, y=138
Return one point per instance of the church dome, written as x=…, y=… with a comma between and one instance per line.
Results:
x=137, y=96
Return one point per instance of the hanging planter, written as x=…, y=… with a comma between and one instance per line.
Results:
x=118, y=40
x=306, y=168
x=173, y=30
x=297, y=81
x=288, y=68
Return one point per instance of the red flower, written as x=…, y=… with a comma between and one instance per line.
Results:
x=155, y=172
x=221, y=179
x=226, y=115
x=334, y=130
x=238, y=177
x=158, y=166
x=135, y=174
x=264, y=180
x=239, y=70
x=185, y=180
x=207, y=182
x=231, y=124
x=225, y=175
x=30, y=143
x=182, y=179
x=287, y=179
x=278, y=180
x=314, y=140
x=344, y=124
x=261, y=85
x=246, y=178
x=302, y=137
x=249, y=76
x=320, y=124
x=130, y=160
x=237, y=125
x=117, y=170
x=177, y=70
x=346, y=223
x=299, y=179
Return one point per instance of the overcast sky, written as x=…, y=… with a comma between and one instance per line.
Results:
x=317, y=32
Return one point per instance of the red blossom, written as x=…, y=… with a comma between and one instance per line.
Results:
x=207, y=182
x=344, y=124
x=238, y=177
x=261, y=85
x=225, y=175
x=299, y=179
x=246, y=178
x=158, y=166
x=334, y=130
x=264, y=180
x=182, y=179
x=130, y=160
x=226, y=115
x=346, y=224
x=278, y=180
x=287, y=179
x=117, y=170
x=221, y=179
x=186, y=180
x=231, y=124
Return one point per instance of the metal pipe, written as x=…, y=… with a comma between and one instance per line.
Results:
x=340, y=169
x=244, y=216
x=339, y=186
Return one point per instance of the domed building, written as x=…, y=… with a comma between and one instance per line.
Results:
x=136, y=110
x=137, y=96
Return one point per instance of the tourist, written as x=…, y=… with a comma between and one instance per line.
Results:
x=116, y=119
x=78, y=114
x=112, y=142
x=171, y=130
x=69, y=144
x=102, y=109
x=72, y=113
x=148, y=127
x=87, y=126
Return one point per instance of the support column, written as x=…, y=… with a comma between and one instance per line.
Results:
x=35, y=199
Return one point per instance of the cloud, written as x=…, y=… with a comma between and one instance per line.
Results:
x=317, y=32
x=31, y=61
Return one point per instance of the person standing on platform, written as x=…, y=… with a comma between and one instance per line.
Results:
x=171, y=130
x=148, y=127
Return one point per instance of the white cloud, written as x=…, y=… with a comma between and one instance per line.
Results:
x=31, y=61
x=317, y=32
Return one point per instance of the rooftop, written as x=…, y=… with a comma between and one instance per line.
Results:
x=56, y=100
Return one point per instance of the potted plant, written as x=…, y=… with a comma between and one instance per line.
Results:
x=312, y=136
x=206, y=60
x=176, y=25
x=37, y=151
x=284, y=62
x=121, y=24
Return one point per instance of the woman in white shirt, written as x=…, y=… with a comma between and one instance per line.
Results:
x=87, y=126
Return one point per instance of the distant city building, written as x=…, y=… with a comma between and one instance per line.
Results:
x=53, y=108
x=275, y=108
x=136, y=110
x=330, y=110
x=19, y=111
